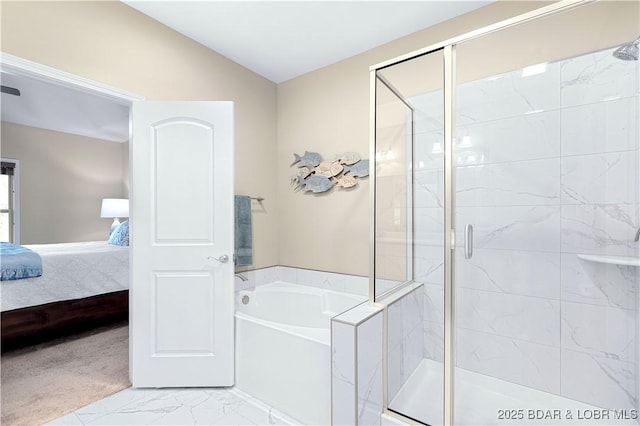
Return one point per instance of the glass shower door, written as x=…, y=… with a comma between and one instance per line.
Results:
x=409, y=232
x=546, y=209
x=543, y=193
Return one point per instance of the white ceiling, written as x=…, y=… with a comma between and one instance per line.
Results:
x=281, y=40
x=49, y=106
x=277, y=39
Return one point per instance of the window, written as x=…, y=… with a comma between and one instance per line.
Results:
x=7, y=201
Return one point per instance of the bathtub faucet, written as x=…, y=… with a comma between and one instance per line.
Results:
x=637, y=235
x=242, y=277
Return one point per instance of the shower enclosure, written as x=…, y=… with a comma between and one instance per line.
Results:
x=506, y=205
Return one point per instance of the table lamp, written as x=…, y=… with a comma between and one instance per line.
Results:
x=115, y=208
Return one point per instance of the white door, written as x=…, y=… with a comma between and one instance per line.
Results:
x=181, y=290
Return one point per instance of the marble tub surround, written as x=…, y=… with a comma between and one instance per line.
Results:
x=344, y=393
x=547, y=169
x=405, y=344
x=357, y=354
x=352, y=284
x=370, y=370
x=283, y=347
x=356, y=366
x=269, y=350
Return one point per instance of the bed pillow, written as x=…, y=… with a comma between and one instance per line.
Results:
x=120, y=235
x=18, y=262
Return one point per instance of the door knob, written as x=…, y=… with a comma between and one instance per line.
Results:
x=222, y=259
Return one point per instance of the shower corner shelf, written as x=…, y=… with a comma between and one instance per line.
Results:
x=611, y=260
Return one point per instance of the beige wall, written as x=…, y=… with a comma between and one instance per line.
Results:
x=63, y=179
x=112, y=43
x=328, y=111
x=325, y=111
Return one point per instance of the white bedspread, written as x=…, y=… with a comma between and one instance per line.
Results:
x=70, y=271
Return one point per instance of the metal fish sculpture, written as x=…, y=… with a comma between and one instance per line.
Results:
x=309, y=159
x=360, y=169
x=316, y=184
x=303, y=172
x=296, y=182
x=348, y=158
x=297, y=179
x=345, y=181
x=328, y=168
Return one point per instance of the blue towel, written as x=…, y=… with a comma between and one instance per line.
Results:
x=243, y=230
x=18, y=262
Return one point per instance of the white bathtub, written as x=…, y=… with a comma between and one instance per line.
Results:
x=283, y=347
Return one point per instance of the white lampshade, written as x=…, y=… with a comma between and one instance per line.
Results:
x=115, y=207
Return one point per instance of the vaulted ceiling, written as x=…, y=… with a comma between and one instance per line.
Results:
x=279, y=40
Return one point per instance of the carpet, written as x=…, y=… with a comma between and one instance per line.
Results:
x=49, y=380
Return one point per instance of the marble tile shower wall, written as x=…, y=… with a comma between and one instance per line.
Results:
x=405, y=339
x=547, y=169
x=357, y=366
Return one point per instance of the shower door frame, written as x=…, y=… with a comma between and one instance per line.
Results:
x=449, y=84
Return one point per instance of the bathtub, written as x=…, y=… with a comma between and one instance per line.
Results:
x=283, y=347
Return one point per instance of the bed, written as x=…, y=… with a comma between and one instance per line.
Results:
x=83, y=285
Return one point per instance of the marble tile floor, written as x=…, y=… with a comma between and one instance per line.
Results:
x=194, y=406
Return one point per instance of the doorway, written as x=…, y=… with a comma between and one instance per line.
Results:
x=80, y=166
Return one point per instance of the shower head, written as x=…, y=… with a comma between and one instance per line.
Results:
x=628, y=52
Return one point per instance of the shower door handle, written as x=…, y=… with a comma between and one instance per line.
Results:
x=468, y=241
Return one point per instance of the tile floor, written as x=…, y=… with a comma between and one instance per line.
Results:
x=210, y=406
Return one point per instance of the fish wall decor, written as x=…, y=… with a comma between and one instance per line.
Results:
x=315, y=175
